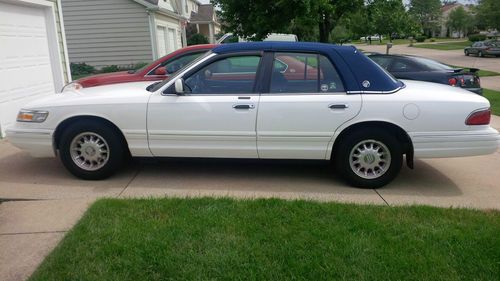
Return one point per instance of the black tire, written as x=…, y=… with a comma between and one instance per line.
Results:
x=116, y=149
x=341, y=157
x=466, y=53
x=480, y=54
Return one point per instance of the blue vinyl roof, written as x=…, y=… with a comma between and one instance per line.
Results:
x=271, y=46
x=354, y=67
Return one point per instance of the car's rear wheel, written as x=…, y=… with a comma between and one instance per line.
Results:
x=480, y=54
x=466, y=52
x=368, y=158
x=90, y=150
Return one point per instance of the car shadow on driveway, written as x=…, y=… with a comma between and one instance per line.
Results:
x=423, y=180
x=277, y=176
x=22, y=176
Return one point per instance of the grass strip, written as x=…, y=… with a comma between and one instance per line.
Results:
x=226, y=239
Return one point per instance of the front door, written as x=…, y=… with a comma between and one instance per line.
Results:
x=214, y=118
x=305, y=104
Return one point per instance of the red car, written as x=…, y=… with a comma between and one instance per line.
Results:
x=158, y=70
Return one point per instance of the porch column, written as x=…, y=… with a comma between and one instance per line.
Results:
x=211, y=33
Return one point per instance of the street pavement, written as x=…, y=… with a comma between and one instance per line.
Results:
x=46, y=201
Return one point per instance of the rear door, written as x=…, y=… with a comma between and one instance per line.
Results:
x=303, y=105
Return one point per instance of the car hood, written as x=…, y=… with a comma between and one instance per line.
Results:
x=107, y=94
x=98, y=79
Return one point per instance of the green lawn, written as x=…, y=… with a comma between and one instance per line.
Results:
x=494, y=98
x=459, y=45
x=385, y=41
x=224, y=239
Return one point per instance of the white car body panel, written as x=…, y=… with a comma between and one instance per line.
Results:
x=299, y=126
x=202, y=126
x=285, y=126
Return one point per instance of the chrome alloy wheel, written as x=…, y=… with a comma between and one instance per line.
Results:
x=89, y=151
x=370, y=159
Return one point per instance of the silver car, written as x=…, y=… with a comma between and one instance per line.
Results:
x=484, y=48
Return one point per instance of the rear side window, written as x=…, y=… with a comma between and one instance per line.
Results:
x=304, y=73
x=404, y=65
x=382, y=61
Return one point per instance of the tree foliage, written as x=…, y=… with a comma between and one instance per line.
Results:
x=488, y=13
x=459, y=20
x=389, y=17
x=258, y=18
x=427, y=14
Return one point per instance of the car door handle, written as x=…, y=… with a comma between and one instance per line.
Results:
x=338, y=106
x=243, y=106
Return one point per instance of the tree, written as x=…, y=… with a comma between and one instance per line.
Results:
x=488, y=14
x=388, y=17
x=426, y=13
x=459, y=20
x=257, y=18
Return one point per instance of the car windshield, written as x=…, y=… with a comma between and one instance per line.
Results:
x=160, y=84
x=432, y=64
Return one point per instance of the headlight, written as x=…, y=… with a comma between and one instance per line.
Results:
x=37, y=116
x=73, y=86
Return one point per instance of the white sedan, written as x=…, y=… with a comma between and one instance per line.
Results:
x=329, y=103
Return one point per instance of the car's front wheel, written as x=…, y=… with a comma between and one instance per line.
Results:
x=466, y=52
x=368, y=158
x=91, y=150
x=480, y=54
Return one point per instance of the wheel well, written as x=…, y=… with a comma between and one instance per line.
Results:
x=70, y=121
x=393, y=129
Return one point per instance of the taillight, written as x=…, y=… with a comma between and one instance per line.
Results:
x=462, y=82
x=452, y=81
x=480, y=117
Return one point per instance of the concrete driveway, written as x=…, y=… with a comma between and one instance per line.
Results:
x=46, y=201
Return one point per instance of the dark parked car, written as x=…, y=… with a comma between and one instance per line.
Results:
x=423, y=69
x=485, y=48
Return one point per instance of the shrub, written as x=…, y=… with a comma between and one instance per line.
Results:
x=197, y=39
x=81, y=68
x=110, y=68
x=433, y=40
x=140, y=65
x=477, y=37
x=420, y=38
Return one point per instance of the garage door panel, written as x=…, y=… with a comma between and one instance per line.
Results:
x=25, y=62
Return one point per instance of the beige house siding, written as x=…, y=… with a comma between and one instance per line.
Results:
x=107, y=32
x=60, y=39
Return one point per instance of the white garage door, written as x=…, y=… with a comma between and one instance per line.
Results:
x=171, y=40
x=162, y=41
x=25, y=65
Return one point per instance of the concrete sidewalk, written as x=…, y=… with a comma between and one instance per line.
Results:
x=52, y=200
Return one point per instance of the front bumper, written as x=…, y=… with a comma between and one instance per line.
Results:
x=37, y=142
x=455, y=144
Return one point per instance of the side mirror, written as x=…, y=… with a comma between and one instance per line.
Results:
x=179, y=86
x=161, y=71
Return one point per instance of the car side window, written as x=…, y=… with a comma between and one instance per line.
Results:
x=304, y=73
x=232, y=75
x=172, y=66
x=382, y=61
x=403, y=65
